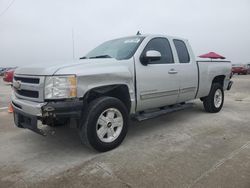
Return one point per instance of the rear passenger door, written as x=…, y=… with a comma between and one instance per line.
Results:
x=157, y=82
x=188, y=71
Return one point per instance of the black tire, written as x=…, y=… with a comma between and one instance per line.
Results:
x=209, y=103
x=88, y=129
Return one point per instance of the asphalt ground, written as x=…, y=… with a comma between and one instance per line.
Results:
x=189, y=148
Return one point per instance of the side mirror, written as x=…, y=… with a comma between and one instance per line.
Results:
x=151, y=55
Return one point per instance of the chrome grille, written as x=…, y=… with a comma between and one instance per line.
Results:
x=27, y=80
x=29, y=87
x=27, y=93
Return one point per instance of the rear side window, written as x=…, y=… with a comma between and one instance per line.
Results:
x=161, y=45
x=182, y=51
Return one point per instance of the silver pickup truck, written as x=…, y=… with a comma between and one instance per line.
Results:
x=138, y=76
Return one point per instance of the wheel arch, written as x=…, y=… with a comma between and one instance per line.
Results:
x=219, y=79
x=119, y=91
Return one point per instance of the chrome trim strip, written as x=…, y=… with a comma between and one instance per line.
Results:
x=188, y=89
x=158, y=94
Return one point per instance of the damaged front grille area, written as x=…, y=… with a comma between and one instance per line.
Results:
x=29, y=87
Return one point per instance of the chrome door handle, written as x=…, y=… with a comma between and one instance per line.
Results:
x=172, y=71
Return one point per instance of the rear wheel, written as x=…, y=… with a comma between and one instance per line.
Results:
x=105, y=124
x=214, y=101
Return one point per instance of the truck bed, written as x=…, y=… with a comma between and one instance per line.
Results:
x=207, y=70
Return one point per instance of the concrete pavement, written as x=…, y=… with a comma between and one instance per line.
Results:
x=190, y=148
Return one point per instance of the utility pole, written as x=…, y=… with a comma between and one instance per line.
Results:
x=73, y=43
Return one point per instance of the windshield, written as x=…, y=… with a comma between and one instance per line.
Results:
x=120, y=49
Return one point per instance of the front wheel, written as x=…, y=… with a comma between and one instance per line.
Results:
x=214, y=101
x=105, y=124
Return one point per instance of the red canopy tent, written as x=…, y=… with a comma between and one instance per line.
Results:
x=212, y=55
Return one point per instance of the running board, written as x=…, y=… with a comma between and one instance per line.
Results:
x=161, y=111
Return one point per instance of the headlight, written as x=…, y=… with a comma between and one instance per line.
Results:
x=60, y=87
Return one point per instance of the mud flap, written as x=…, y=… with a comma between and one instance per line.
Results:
x=229, y=85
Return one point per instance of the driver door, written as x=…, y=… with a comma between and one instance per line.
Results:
x=157, y=80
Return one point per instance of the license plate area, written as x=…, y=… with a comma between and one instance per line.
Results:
x=23, y=120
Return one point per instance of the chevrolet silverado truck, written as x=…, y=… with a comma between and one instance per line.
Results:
x=139, y=76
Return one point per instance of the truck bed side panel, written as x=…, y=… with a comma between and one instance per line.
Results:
x=208, y=71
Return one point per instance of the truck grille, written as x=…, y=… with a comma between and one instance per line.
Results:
x=27, y=80
x=27, y=93
x=29, y=87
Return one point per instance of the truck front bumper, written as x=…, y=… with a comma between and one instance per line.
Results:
x=27, y=113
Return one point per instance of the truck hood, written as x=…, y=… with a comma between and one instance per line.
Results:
x=69, y=67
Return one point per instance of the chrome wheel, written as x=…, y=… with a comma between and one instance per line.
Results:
x=218, y=98
x=109, y=125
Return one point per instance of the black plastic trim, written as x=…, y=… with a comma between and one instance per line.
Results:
x=24, y=120
x=27, y=80
x=64, y=109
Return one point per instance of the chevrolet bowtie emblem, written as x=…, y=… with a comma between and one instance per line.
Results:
x=17, y=85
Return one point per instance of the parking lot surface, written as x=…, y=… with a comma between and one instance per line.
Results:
x=189, y=148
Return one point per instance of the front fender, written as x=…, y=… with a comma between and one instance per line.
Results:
x=120, y=76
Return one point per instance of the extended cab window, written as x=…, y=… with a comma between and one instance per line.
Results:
x=182, y=51
x=161, y=45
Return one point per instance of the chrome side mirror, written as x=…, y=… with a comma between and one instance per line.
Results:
x=151, y=55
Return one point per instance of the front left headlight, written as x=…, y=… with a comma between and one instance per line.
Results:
x=60, y=87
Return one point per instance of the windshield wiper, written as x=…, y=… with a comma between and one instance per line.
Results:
x=100, y=56
x=84, y=57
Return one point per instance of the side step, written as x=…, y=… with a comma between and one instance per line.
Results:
x=161, y=111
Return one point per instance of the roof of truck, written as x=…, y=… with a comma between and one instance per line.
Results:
x=159, y=35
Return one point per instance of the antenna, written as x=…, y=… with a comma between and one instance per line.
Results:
x=73, y=43
x=138, y=33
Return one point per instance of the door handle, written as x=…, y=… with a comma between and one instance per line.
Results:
x=172, y=71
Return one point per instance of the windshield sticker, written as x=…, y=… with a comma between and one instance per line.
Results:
x=136, y=40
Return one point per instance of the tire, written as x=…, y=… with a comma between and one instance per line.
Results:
x=101, y=131
x=210, y=103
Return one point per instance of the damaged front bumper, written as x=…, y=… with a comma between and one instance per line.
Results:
x=27, y=113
